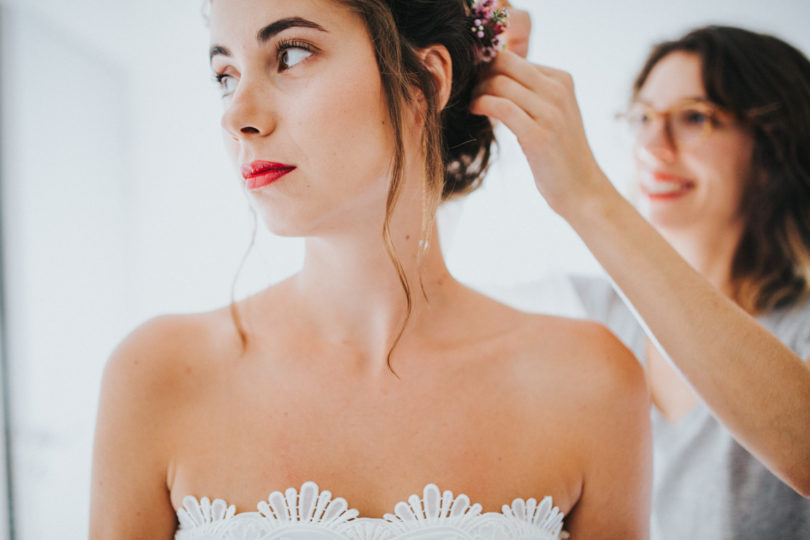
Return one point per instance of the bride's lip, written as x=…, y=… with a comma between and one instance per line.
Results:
x=260, y=173
x=662, y=185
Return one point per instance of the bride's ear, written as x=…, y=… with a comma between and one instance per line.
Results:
x=437, y=60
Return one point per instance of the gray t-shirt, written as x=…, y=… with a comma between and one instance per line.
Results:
x=705, y=485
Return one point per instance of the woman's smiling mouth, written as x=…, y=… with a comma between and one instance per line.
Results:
x=664, y=186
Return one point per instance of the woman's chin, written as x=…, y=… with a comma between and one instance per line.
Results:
x=666, y=221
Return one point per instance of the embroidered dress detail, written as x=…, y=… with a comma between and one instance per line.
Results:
x=200, y=513
x=529, y=514
x=311, y=514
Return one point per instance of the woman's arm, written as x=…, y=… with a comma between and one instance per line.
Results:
x=755, y=385
x=129, y=494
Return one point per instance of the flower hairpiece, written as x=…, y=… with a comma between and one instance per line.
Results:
x=489, y=23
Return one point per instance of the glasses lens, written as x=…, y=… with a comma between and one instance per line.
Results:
x=691, y=122
x=633, y=123
x=637, y=118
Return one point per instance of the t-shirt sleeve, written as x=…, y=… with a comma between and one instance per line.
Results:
x=604, y=305
x=552, y=295
x=792, y=327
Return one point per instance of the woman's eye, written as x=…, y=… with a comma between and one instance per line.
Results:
x=638, y=118
x=226, y=84
x=292, y=56
x=695, y=117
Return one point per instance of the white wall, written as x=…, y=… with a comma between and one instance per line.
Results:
x=121, y=204
x=65, y=172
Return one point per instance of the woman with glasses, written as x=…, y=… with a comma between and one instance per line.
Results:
x=719, y=271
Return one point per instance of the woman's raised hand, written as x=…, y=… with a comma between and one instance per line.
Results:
x=518, y=30
x=538, y=105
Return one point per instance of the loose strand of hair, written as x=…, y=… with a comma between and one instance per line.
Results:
x=390, y=63
x=390, y=204
x=433, y=182
x=235, y=316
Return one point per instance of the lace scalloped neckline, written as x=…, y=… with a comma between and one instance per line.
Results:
x=313, y=514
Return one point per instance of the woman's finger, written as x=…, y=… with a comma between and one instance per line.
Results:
x=508, y=112
x=555, y=85
x=506, y=87
x=512, y=65
x=562, y=77
x=518, y=31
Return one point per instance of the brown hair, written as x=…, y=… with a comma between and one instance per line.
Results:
x=455, y=142
x=765, y=83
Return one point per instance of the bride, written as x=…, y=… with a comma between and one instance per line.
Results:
x=358, y=387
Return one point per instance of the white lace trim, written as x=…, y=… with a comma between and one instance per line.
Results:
x=313, y=514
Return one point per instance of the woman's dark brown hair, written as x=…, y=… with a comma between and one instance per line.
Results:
x=765, y=83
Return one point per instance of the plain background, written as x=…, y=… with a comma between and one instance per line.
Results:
x=119, y=202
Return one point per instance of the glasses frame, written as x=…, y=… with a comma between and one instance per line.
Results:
x=716, y=115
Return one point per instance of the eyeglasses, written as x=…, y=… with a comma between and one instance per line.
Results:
x=687, y=122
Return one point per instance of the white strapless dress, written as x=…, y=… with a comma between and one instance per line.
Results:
x=312, y=514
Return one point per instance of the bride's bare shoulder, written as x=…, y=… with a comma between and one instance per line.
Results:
x=597, y=372
x=582, y=352
x=162, y=356
x=155, y=374
x=177, y=345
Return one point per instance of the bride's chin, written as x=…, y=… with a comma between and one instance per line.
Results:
x=287, y=229
x=319, y=220
x=291, y=224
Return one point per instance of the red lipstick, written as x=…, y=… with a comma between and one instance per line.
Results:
x=260, y=173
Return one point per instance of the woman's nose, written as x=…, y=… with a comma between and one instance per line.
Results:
x=656, y=143
x=249, y=112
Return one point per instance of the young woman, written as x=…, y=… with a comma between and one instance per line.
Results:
x=719, y=271
x=371, y=373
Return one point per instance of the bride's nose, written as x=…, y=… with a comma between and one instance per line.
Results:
x=249, y=112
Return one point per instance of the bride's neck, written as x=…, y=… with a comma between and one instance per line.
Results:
x=352, y=291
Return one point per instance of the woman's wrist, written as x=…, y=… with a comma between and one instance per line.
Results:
x=590, y=206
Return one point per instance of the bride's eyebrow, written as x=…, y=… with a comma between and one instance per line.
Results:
x=267, y=33
x=280, y=25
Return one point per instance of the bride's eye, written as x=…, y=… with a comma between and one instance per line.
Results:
x=226, y=83
x=291, y=53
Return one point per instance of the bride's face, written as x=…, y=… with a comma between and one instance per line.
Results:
x=305, y=118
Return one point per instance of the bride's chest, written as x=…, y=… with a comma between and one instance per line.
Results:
x=373, y=450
